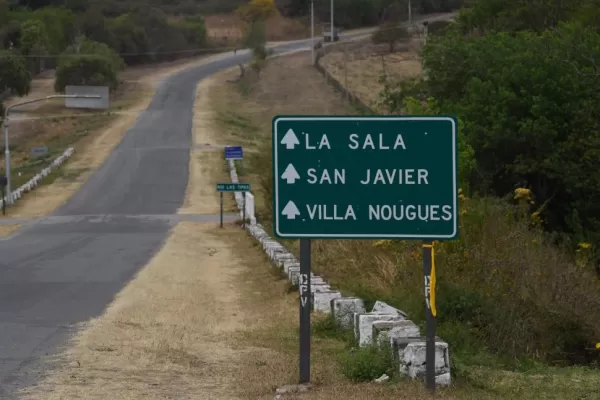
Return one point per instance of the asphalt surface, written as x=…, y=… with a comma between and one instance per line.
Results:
x=64, y=270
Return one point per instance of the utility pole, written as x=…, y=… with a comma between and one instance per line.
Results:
x=332, y=31
x=9, y=198
x=409, y=13
x=312, y=30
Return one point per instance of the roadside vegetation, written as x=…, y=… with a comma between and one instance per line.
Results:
x=518, y=293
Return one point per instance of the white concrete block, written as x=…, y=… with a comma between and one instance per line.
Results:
x=294, y=274
x=269, y=242
x=443, y=379
x=288, y=264
x=384, y=308
x=363, y=326
x=410, y=353
x=321, y=301
x=344, y=308
x=320, y=287
x=317, y=280
x=282, y=258
x=388, y=331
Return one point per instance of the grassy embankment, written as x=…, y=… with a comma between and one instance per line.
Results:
x=514, y=309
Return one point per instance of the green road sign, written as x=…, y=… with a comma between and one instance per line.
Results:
x=365, y=177
x=233, y=187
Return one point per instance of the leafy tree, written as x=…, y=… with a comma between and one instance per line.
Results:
x=193, y=30
x=391, y=34
x=529, y=106
x=129, y=38
x=257, y=10
x=516, y=15
x=94, y=26
x=33, y=35
x=60, y=26
x=84, y=45
x=3, y=12
x=10, y=35
x=14, y=75
x=85, y=69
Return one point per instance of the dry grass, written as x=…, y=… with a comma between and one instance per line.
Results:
x=499, y=256
x=206, y=165
x=362, y=64
x=92, y=149
x=231, y=28
x=166, y=333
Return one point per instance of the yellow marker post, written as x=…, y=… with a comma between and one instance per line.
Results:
x=430, y=312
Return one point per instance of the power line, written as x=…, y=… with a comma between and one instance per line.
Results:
x=197, y=50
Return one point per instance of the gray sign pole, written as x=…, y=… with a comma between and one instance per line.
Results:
x=304, y=289
x=8, y=198
x=430, y=318
x=244, y=211
x=221, y=209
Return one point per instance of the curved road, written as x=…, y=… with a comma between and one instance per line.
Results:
x=64, y=270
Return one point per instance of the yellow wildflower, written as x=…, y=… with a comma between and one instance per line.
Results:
x=584, y=245
x=522, y=193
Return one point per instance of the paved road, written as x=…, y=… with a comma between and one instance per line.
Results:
x=64, y=271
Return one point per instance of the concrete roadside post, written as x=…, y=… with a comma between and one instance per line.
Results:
x=404, y=186
x=3, y=182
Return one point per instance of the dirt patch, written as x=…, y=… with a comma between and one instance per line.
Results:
x=360, y=267
x=361, y=65
x=207, y=166
x=229, y=27
x=6, y=230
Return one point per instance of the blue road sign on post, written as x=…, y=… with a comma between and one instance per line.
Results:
x=234, y=153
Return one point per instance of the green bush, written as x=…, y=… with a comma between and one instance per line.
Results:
x=83, y=69
x=367, y=363
x=84, y=45
x=505, y=87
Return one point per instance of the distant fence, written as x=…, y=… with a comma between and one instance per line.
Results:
x=351, y=97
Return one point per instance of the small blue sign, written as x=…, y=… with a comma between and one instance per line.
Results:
x=234, y=153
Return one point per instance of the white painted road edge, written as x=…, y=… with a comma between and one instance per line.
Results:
x=33, y=182
x=383, y=324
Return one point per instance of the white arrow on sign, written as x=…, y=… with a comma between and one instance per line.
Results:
x=290, y=210
x=290, y=140
x=290, y=174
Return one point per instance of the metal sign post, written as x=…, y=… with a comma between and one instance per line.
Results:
x=221, y=209
x=244, y=211
x=430, y=313
x=234, y=187
x=305, y=306
x=3, y=182
x=348, y=177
